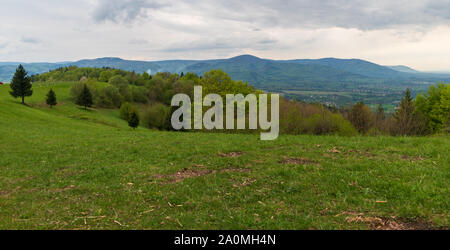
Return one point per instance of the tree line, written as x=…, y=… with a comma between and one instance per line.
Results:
x=145, y=99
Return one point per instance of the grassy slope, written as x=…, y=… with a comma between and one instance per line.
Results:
x=66, y=168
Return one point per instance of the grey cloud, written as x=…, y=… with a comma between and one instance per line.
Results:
x=30, y=40
x=198, y=45
x=138, y=41
x=222, y=44
x=123, y=10
x=267, y=41
x=361, y=14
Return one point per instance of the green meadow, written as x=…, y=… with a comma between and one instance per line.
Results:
x=67, y=168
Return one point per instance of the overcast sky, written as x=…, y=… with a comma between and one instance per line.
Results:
x=413, y=32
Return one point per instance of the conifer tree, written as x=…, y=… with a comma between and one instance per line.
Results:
x=133, y=121
x=380, y=116
x=21, y=84
x=85, y=97
x=51, y=98
x=407, y=120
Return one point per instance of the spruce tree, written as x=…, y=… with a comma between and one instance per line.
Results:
x=380, y=116
x=51, y=98
x=407, y=120
x=85, y=98
x=133, y=121
x=21, y=84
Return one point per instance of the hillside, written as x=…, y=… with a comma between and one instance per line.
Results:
x=66, y=168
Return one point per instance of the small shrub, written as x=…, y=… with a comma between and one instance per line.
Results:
x=126, y=110
x=108, y=97
x=156, y=116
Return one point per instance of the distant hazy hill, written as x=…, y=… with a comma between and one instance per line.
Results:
x=404, y=69
x=7, y=69
x=354, y=66
x=270, y=74
x=138, y=66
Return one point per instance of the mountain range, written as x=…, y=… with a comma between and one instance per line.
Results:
x=290, y=77
x=246, y=67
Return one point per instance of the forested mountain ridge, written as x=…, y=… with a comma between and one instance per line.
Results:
x=348, y=67
x=330, y=80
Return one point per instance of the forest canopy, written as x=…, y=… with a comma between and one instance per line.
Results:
x=151, y=95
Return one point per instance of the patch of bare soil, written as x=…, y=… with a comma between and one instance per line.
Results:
x=20, y=180
x=234, y=170
x=185, y=173
x=246, y=183
x=391, y=223
x=365, y=153
x=68, y=171
x=411, y=158
x=6, y=193
x=68, y=188
x=297, y=161
x=197, y=172
x=334, y=150
x=232, y=154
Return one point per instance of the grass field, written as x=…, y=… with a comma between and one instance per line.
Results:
x=67, y=168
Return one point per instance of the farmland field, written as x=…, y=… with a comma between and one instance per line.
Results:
x=67, y=168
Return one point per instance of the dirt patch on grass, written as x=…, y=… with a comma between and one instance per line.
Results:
x=20, y=180
x=334, y=150
x=6, y=193
x=185, y=173
x=365, y=154
x=411, y=158
x=246, y=183
x=297, y=161
x=390, y=223
x=60, y=190
x=199, y=171
x=232, y=154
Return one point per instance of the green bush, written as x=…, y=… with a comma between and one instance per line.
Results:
x=126, y=110
x=108, y=97
x=435, y=107
x=139, y=94
x=122, y=84
x=343, y=126
x=76, y=89
x=156, y=116
x=300, y=118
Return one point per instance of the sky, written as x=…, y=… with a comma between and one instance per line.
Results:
x=415, y=33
